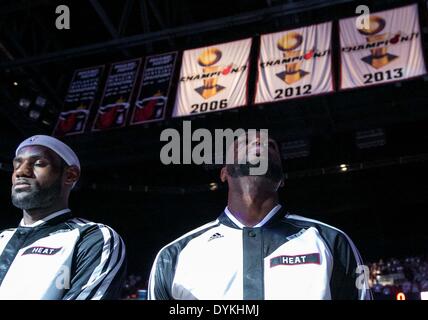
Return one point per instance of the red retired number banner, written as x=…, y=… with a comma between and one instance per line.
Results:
x=78, y=101
x=115, y=102
x=154, y=88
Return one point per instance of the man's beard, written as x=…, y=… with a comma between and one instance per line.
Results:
x=274, y=171
x=37, y=197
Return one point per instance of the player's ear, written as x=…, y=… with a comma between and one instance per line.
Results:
x=72, y=174
x=223, y=174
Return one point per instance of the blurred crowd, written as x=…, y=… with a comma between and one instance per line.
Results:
x=392, y=276
x=135, y=288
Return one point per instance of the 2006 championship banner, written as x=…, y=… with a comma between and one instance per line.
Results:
x=384, y=49
x=294, y=63
x=213, y=78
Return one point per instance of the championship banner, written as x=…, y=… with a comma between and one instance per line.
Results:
x=213, y=78
x=115, y=101
x=384, y=49
x=294, y=63
x=154, y=88
x=78, y=101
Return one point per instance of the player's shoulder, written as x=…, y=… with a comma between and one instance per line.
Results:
x=92, y=229
x=178, y=244
x=337, y=240
x=6, y=235
x=322, y=227
x=6, y=231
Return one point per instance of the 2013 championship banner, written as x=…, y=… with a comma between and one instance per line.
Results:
x=154, y=88
x=384, y=49
x=295, y=63
x=213, y=78
x=114, y=105
x=78, y=101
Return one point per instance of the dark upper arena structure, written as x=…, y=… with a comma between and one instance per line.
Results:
x=359, y=159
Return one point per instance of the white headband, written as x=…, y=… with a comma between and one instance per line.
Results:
x=59, y=147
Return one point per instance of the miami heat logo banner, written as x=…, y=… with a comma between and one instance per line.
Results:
x=78, y=101
x=213, y=78
x=387, y=48
x=114, y=104
x=154, y=88
x=294, y=63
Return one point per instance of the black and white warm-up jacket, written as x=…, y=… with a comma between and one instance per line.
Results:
x=61, y=257
x=285, y=256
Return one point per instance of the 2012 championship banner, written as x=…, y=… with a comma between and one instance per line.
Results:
x=213, y=78
x=384, y=49
x=295, y=63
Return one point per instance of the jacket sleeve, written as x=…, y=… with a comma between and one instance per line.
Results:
x=349, y=280
x=161, y=276
x=98, y=267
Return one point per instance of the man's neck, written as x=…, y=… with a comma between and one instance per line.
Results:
x=34, y=215
x=251, y=209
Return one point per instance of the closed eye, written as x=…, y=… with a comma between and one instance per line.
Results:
x=41, y=163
